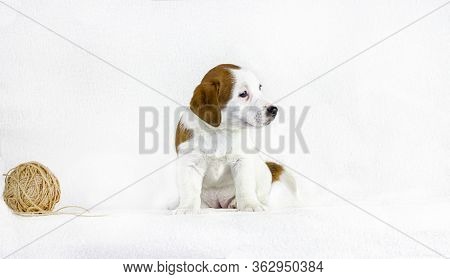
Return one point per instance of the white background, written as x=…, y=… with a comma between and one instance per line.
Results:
x=378, y=127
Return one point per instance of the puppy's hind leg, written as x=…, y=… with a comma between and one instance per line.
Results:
x=232, y=204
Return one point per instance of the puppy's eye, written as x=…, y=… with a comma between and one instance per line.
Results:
x=260, y=87
x=243, y=94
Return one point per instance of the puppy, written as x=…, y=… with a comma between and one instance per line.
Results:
x=218, y=167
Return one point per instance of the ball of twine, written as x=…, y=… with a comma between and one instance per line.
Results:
x=31, y=188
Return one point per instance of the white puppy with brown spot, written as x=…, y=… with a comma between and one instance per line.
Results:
x=217, y=166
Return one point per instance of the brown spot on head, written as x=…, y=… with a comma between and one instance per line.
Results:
x=183, y=134
x=275, y=169
x=213, y=93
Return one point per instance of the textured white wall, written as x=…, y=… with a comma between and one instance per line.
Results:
x=377, y=129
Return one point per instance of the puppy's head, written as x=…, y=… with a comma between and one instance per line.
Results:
x=231, y=96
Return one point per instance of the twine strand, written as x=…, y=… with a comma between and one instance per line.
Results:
x=60, y=211
x=31, y=189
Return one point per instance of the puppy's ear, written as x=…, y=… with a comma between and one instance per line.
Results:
x=205, y=103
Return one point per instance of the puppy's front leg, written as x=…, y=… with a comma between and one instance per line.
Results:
x=243, y=171
x=190, y=172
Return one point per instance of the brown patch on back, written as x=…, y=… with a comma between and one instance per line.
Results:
x=213, y=93
x=183, y=134
x=276, y=170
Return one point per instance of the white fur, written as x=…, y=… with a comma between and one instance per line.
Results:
x=220, y=167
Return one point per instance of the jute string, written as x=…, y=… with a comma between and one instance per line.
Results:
x=31, y=189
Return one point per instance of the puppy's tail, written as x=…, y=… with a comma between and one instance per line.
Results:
x=279, y=173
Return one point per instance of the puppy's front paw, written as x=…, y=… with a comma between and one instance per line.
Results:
x=250, y=206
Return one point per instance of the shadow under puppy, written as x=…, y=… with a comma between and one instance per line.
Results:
x=218, y=166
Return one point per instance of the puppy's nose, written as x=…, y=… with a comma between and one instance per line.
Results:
x=272, y=110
